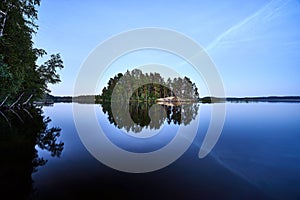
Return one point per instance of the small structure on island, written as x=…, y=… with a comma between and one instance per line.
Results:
x=173, y=100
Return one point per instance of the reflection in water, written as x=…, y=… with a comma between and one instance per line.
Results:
x=21, y=131
x=257, y=157
x=149, y=115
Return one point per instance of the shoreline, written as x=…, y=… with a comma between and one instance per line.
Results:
x=90, y=99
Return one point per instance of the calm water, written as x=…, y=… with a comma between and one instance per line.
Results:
x=256, y=157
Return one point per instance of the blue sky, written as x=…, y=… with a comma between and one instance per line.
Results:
x=255, y=45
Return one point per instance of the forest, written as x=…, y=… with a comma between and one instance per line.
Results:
x=22, y=79
x=138, y=86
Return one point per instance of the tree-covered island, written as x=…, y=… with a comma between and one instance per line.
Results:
x=138, y=86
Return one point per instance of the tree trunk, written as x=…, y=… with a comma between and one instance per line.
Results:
x=3, y=101
x=17, y=115
x=28, y=113
x=26, y=102
x=5, y=118
x=2, y=23
x=12, y=105
x=4, y=16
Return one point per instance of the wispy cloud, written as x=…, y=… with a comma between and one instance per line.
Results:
x=262, y=16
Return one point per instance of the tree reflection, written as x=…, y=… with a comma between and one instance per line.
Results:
x=149, y=115
x=21, y=131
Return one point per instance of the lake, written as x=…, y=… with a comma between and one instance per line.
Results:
x=256, y=157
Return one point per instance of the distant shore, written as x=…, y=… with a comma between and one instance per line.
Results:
x=96, y=99
x=250, y=99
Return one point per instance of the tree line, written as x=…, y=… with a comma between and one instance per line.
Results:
x=138, y=86
x=22, y=80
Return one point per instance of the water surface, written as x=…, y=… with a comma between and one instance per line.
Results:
x=256, y=157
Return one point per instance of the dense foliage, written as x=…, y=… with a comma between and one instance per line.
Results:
x=136, y=85
x=19, y=73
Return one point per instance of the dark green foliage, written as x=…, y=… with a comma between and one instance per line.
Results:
x=137, y=86
x=47, y=71
x=107, y=91
x=19, y=73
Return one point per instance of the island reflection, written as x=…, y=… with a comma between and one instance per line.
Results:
x=149, y=115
